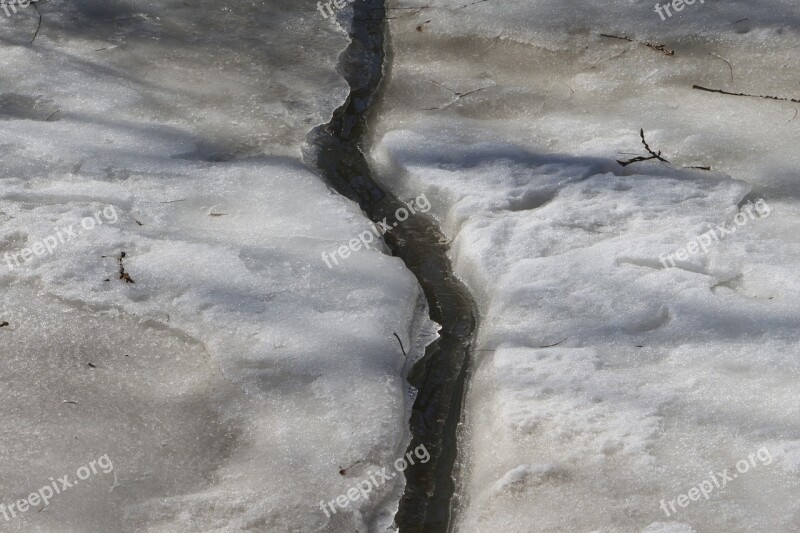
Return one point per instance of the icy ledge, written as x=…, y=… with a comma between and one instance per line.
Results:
x=229, y=374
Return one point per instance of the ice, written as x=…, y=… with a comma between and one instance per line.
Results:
x=231, y=375
x=606, y=379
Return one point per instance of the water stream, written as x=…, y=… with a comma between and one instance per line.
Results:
x=336, y=151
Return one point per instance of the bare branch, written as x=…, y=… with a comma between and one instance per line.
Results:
x=766, y=97
x=657, y=47
x=653, y=155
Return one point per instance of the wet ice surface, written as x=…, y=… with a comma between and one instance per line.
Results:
x=657, y=375
x=235, y=375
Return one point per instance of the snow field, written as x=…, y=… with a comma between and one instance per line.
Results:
x=234, y=375
x=605, y=382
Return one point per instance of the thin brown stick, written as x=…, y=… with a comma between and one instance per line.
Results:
x=554, y=344
x=343, y=471
x=653, y=155
x=766, y=97
x=658, y=47
x=726, y=61
x=623, y=38
x=401, y=344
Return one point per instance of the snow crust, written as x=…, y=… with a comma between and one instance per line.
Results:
x=607, y=380
x=236, y=375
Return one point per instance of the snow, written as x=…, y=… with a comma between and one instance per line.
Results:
x=604, y=382
x=236, y=374
x=230, y=375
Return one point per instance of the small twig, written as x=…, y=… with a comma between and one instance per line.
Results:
x=653, y=155
x=658, y=47
x=343, y=471
x=725, y=60
x=54, y=113
x=173, y=201
x=554, y=344
x=794, y=117
x=69, y=401
x=122, y=274
x=4, y=324
x=401, y=344
x=623, y=38
x=634, y=160
x=647, y=147
x=766, y=97
x=701, y=168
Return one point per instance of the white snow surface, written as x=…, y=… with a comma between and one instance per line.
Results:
x=237, y=374
x=606, y=379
